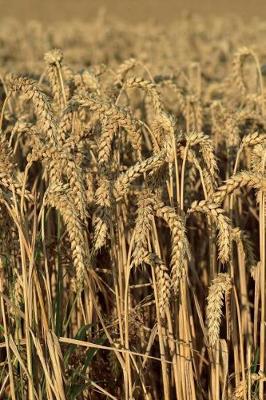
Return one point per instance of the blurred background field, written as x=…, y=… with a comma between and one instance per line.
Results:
x=131, y=10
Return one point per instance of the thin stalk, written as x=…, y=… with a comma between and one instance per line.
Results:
x=263, y=292
x=161, y=343
x=183, y=177
x=27, y=298
x=126, y=315
x=6, y=336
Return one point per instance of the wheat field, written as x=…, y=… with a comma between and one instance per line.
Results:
x=132, y=192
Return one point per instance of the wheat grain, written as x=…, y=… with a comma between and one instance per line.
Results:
x=242, y=179
x=223, y=224
x=162, y=279
x=180, y=248
x=125, y=179
x=142, y=226
x=102, y=215
x=57, y=197
x=218, y=288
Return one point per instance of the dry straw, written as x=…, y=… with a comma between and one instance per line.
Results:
x=132, y=192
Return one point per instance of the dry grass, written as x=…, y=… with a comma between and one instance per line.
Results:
x=132, y=191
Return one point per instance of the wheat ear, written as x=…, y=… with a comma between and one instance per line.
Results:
x=218, y=288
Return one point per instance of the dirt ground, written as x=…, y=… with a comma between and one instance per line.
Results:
x=131, y=10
